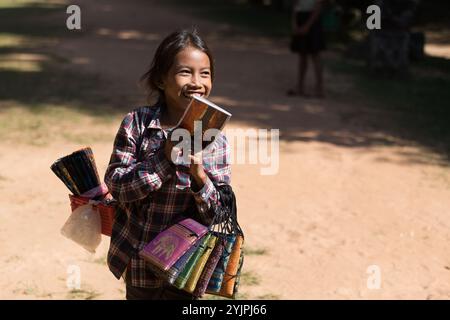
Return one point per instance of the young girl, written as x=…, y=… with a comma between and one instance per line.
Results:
x=152, y=191
x=308, y=40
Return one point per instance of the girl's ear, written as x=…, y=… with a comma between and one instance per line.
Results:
x=161, y=85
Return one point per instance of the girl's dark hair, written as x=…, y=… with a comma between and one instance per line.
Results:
x=165, y=55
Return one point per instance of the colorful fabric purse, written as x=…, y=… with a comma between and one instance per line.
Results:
x=179, y=266
x=200, y=265
x=208, y=270
x=215, y=283
x=182, y=279
x=231, y=277
x=170, y=245
x=225, y=278
x=200, y=259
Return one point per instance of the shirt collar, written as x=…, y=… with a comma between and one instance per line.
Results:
x=155, y=122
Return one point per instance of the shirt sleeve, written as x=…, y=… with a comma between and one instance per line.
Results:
x=218, y=169
x=127, y=179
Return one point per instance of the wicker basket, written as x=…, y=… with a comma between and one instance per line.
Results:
x=106, y=212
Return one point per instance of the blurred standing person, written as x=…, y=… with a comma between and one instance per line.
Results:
x=308, y=40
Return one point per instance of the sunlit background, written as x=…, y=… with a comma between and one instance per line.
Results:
x=363, y=176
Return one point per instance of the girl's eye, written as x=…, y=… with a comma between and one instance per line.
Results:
x=185, y=71
x=206, y=73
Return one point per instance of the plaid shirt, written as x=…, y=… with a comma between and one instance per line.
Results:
x=153, y=193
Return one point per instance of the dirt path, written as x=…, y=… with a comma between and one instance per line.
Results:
x=312, y=230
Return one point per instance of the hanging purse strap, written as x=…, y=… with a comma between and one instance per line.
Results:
x=226, y=211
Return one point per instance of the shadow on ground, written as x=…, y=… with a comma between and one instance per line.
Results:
x=360, y=110
x=31, y=74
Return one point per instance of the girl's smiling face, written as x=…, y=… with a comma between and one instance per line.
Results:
x=190, y=74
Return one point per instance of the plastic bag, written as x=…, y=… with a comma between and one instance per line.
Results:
x=84, y=227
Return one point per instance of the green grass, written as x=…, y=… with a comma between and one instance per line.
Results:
x=27, y=18
x=101, y=260
x=42, y=95
x=32, y=290
x=250, y=278
x=8, y=40
x=31, y=74
x=268, y=296
x=255, y=251
x=213, y=297
x=51, y=84
x=239, y=296
x=41, y=124
x=82, y=294
x=27, y=290
x=25, y=3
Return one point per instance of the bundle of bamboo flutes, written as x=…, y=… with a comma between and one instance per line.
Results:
x=77, y=171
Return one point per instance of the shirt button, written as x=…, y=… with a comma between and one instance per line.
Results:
x=203, y=195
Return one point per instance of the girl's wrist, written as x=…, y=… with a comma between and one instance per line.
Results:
x=198, y=184
x=200, y=180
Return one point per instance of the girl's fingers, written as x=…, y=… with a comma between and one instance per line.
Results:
x=198, y=154
x=195, y=159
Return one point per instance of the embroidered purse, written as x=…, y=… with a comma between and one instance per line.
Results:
x=226, y=275
x=200, y=265
x=182, y=279
x=208, y=270
x=171, y=244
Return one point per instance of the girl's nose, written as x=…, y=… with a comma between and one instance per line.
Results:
x=195, y=80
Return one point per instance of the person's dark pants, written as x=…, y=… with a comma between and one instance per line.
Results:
x=162, y=293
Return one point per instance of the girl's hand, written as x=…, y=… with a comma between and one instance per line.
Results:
x=196, y=169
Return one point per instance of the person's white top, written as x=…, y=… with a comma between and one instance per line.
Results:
x=304, y=5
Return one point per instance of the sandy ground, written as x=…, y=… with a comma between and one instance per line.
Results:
x=314, y=228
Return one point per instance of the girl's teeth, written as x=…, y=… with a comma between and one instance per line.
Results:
x=192, y=94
